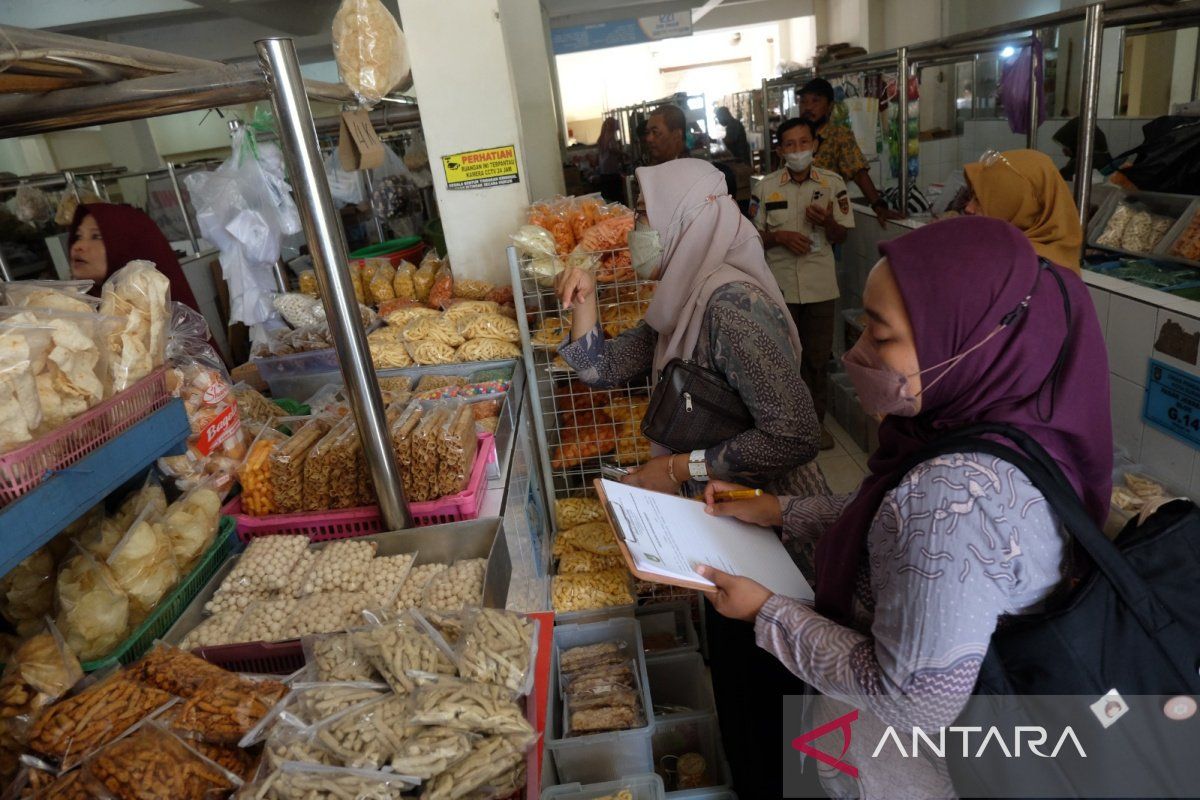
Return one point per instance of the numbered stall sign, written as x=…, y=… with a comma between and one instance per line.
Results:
x=1173, y=402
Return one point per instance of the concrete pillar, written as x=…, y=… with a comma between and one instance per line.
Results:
x=525, y=26
x=463, y=68
x=131, y=145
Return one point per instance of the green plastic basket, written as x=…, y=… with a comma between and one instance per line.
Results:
x=167, y=612
x=383, y=248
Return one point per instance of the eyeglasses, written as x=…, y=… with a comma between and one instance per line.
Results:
x=992, y=157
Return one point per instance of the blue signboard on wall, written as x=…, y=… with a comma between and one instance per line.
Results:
x=577, y=38
x=1173, y=402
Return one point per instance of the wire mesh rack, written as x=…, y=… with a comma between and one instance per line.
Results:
x=580, y=428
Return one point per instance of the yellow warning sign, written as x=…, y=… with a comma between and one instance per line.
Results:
x=481, y=169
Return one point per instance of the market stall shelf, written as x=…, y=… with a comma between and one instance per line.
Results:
x=64, y=496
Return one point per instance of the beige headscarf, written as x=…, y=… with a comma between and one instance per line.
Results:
x=706, y=243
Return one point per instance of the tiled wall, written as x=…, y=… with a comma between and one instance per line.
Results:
x=1130, y=331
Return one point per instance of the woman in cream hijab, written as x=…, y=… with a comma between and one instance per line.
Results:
x=1024, y=188
x=718, y=305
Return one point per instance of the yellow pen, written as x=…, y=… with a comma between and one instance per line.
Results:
x=739, y=494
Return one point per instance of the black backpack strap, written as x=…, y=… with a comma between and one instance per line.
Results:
x=1043, y=472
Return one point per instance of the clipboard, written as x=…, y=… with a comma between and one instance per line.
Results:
x=653, y=577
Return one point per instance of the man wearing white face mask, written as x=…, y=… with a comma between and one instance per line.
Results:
x=802, y=211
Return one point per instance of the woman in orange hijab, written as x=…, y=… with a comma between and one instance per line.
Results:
x=1023, y=187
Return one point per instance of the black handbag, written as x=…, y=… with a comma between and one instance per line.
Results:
x=1130, y=623
x=693, y=408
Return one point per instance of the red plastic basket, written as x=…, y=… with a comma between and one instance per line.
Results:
x=24, y=468
x=350, y=522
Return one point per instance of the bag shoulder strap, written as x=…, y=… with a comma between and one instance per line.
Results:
x=1043, y=472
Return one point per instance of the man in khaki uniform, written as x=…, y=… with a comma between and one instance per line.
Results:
x=802, y=211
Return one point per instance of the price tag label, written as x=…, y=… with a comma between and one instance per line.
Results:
x=1173, y=402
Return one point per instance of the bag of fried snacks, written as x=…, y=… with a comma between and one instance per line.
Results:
x=456, y=448
x=379, y=274
x=294, y=780
x=498, y=647
x=153, y=762
x=403, y=287
x=287, y=465
x=23, y=351
x=367, y=735
x=191, y=524
x=224, y=709
x=27, y=591
x=139, y=295
x=40, y=671
x=254, y=474
x=336, y=657
x=93, y=610
x=369, y=47
x=74, y=375
x=143, y=564
x=429, y=352
x=425, y=273
x=441, y=293
x=571, y=512
x=69, y=296
x=403, y=651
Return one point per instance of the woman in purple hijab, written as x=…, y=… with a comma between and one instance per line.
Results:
x=966, y=325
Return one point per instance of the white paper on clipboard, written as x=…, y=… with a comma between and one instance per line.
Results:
x=670, y=536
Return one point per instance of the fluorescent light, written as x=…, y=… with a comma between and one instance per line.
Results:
x=1008, y=52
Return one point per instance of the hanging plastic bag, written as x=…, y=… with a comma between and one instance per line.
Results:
x=1015, y=89
x=33, y=206
x=370, y=50
x=345, y=186
x=197, y=375
x=139, y=295
x=69, y=201
x=244, y=207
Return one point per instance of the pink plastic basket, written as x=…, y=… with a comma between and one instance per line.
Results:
x=24, y=468
x=350, y=522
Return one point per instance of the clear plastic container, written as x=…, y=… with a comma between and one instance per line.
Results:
x=599, y=757
x=679, y=685
x=693, y=733
x=667, y=628
x=643, y=787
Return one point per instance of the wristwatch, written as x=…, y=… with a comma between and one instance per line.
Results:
x=697, y=467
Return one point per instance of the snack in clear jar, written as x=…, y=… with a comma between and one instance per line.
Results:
x=490, y=759
x=266, y=565
x=224, y=709
x=72, y=728
x=475, y=707
x=399, y=649
x=487, y=350
x=489, y=326
x=340, y=566
x=458, y=586
x=137, y=294
x=429, y=352
x=152, y=763
x=367, y=735
x=403, y=287
x=213, y=631
x=496, y=647
x=385, y=576
x=456, y=448
x=572, y=512
x=590, y=590
x=413, y=590
x=287, y=466
x=93, y=611
x=432, y=329
x=336, y=657
x=258, y=498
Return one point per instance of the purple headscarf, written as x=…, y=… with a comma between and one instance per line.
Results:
x=959, y=278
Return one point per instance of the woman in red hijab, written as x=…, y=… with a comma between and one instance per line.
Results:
x=107, y=236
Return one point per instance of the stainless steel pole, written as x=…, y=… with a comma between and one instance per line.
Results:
x=902, y=99
x=1034, y=106
x=187, y=220
x=97, y=189
x=5, y=272
x=1089, y=100
x=766, y=129
x=369, y=187
x=327, y=246
x=69, y=177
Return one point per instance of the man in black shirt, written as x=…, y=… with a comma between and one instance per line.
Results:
x=735, y=135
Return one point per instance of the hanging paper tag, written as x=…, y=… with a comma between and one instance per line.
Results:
x=359, y=147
